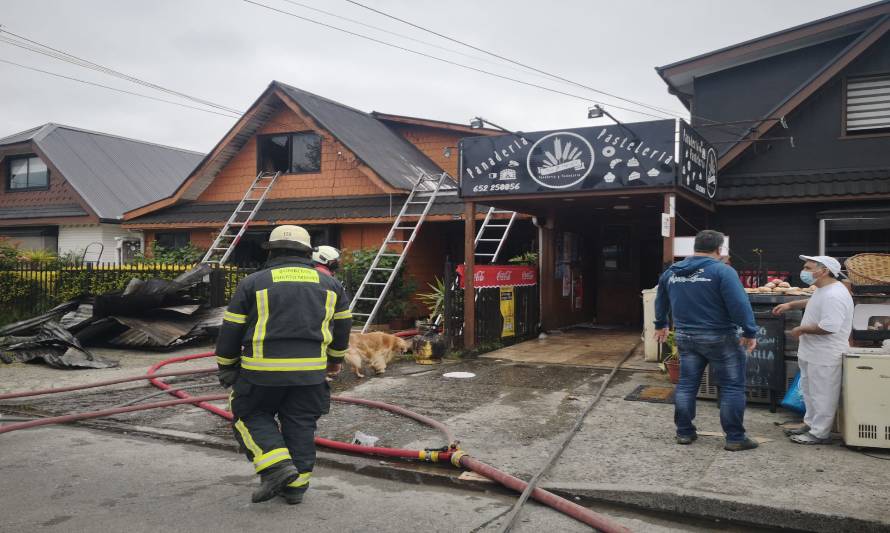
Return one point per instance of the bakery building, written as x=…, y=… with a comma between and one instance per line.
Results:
x=799, y=163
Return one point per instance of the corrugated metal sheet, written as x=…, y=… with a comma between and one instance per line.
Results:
x=46, y=211
x=393, y=158
x=868, y=103
x=773, y=186
x=315, y=209
x=112, y=174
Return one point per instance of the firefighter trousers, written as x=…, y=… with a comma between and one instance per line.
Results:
x=268, y=441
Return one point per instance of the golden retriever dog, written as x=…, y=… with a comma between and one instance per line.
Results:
x=377, y=348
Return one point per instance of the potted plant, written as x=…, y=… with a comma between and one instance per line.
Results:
x=435, y=300
x=670, y=358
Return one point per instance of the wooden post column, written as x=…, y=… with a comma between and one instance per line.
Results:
x=668, y=250
x=469, y=264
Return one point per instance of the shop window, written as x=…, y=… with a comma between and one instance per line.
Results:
x=846, y=237
x=291, y=153
x=26, y=173
x=868, y=105
x=171, y=240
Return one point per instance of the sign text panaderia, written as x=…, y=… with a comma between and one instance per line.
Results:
x=601, y=157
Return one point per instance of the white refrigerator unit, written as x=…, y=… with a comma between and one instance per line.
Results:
x=866, y=398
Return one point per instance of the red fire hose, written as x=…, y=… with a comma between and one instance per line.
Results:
x=455, y=456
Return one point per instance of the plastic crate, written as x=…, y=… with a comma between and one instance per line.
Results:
x=708, y=390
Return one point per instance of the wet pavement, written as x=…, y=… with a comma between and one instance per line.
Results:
x=512, y=415
x=109, y=482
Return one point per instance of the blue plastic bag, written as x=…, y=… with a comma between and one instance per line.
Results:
x=793, y=399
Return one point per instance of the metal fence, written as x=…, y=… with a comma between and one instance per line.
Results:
x=29, y=289
x=489, y=319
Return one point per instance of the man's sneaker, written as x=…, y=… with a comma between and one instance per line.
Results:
x=686, y=439
x=746, y=444
x=797, y=431
x=809, y=438
x=293, y=496
x=274, y=482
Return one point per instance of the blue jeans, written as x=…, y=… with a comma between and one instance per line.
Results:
x=727, y=358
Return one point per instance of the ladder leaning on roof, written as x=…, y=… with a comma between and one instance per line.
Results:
x=492, y=231
x=375, y=288
x=244, y=213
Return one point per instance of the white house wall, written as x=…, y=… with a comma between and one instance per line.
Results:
x=76, y=238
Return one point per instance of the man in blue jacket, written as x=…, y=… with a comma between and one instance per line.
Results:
x=708, y=305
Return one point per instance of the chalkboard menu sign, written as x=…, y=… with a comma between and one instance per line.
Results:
x=766, y=363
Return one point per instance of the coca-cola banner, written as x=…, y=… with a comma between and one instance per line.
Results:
x=500, y=276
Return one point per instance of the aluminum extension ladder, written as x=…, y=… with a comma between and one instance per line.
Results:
x=250, y=204
x=497, y=233
x=375, y=291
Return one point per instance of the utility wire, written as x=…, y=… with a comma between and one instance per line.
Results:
x=519, y=63
x=408, y=37
x=447, y=61
x=116, y=89
x=561, y=78
x=46, y=50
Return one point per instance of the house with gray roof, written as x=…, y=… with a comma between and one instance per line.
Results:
x=66, y=189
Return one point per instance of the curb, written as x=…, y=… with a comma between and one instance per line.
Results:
x=676, y=502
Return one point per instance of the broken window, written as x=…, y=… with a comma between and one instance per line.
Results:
x=291, y=153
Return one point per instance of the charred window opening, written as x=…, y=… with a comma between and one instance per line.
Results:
x=292, y=153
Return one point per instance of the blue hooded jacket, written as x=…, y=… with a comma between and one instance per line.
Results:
x=704, y=296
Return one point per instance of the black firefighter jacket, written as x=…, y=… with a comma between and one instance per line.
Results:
x=284, y=323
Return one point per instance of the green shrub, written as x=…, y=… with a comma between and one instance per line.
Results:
x=354, y=264
x=187, y=254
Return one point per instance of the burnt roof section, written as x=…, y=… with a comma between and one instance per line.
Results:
x=341, y=208
x=394, y=159
x=784, y=186
x=112, y=174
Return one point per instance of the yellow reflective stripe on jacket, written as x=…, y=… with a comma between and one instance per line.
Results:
x=296, y=274
x=270, y=458
x=343, y=314
x=259, y=331
x=336, y=353
x=301, y=481
x=284, y=365
x=248, y=440
x=226, y=361
x=326, y=335
x=234, y=317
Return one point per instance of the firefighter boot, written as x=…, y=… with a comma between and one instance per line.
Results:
x=274, y=482
x=293, y=496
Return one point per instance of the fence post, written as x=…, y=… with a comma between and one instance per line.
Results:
x=217, y=287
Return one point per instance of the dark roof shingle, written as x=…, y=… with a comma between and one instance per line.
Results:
x=789, y=185
x=272, y=211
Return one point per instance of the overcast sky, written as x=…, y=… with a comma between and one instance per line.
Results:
x=227, y=51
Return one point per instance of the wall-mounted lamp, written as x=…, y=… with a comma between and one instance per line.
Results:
x=448, y=151
x=479, y=122
x=594, y=112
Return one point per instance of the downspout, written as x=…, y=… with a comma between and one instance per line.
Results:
x=540, y=270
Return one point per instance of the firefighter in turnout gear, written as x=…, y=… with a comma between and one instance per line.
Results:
x=286, y=329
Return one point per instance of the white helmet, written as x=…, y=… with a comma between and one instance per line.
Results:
x=326, y=255
x=289, y=237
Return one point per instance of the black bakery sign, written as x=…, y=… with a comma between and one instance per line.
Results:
x=698, y=163
x=634, y=155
